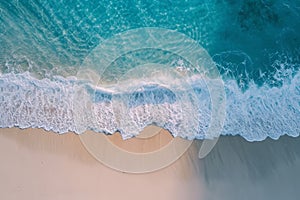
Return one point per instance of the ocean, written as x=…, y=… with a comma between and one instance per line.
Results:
x=112, y=66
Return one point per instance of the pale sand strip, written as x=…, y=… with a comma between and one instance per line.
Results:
x=145, y=143
x=37, y=164
x=148, y=155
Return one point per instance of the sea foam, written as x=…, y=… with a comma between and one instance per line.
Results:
x=69, y=104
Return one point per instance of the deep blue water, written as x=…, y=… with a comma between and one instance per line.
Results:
x=254, y=44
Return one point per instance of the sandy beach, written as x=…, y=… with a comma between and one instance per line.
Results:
x=36, y=164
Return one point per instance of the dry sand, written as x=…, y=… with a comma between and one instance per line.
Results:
x=36, y=164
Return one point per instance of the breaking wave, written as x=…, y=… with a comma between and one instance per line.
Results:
x=69, y=104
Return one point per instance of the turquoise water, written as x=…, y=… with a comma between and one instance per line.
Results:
x=255, y=46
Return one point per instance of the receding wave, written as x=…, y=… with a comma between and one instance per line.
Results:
x=69, y=104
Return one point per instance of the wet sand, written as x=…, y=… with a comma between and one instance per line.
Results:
x=37, y=164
